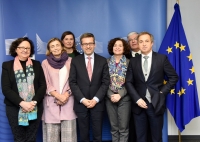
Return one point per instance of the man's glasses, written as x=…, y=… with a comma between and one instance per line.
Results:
x=86, y=44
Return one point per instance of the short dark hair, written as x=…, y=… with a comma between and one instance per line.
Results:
x=85, y=35
x=17, y=42
x=112, y=42
x=50, y=41
x=146, y=33
x=69, y=33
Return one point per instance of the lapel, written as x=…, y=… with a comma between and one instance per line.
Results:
x=83, y=67
x=67, y=64
x=95, y=67
x=139, y=67
x=153, y=65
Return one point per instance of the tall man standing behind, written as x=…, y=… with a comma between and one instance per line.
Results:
x=132, y=41
x=144, y=83
x=89, y=80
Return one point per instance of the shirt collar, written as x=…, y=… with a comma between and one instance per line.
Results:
x=139, y=52
x=150, y=54
x=92, y=56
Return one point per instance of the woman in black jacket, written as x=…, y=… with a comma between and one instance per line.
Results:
x=23, y=85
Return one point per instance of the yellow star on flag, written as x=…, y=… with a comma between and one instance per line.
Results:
x=172, y=91
x=183, y=91
x=189, y=57
x=192, y=70
x=179, y=93
x=190, y=82
x=169, y=50
x=182, y=47
x=176, y=45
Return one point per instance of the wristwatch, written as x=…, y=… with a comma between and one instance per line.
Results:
x=35, y=102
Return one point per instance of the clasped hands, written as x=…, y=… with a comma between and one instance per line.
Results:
x=27, y=106
x=115, y=98
x=89, y=103
x=62, y=99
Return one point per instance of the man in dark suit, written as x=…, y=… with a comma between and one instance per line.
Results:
x=132, y=41
x=144, y=83
x=89, y=80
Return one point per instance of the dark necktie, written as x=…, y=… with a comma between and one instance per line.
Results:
x=137, y=54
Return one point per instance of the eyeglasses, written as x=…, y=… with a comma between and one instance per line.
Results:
x=86, y=44
x=23, y=48
x=130, y=40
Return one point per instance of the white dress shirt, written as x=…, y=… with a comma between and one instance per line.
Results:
x=92, y=63
x=92, y=60
x=133, y=53
x=146, y=74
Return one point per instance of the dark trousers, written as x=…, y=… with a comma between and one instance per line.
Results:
x=132, y=132
x=22, y=133
x=84, y=119
x=155, y=124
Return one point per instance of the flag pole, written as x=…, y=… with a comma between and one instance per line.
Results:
x=179, y=135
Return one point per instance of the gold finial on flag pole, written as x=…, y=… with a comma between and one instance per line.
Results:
x=177, y=1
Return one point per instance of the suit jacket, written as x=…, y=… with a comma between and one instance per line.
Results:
x=76, y=53
x=54, y=113
x=9, y=85
x=136, y=84
x=82, y=87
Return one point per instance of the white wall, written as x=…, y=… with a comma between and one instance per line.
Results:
x=190, y=12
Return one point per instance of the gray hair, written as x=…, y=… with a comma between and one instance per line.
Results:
x=132, y=33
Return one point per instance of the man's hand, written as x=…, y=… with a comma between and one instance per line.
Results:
x=141, y=103
x=92, y=103
x=86, y=102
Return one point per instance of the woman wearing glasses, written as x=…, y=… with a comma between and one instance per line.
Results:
x=118, y=102
x=59, y=119
x=23, y=85
x=68, y=40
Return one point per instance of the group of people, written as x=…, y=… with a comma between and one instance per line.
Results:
x=70, y=87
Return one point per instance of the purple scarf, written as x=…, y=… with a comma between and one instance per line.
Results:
x=57, y=63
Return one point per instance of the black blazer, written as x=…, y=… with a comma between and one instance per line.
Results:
x=9, y=85
x=82, y=87
x=136, y=84
x=76, y=53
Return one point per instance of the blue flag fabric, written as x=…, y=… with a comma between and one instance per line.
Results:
x=182, y=101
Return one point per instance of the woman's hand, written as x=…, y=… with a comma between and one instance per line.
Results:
x=62, y=98
x=27, y=106
x=115, y=98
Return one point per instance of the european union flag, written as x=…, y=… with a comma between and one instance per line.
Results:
x=182, y=101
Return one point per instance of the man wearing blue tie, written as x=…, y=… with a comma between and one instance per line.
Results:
x=144, y=83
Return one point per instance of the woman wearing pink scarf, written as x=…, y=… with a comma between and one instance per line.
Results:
x=23, y=85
